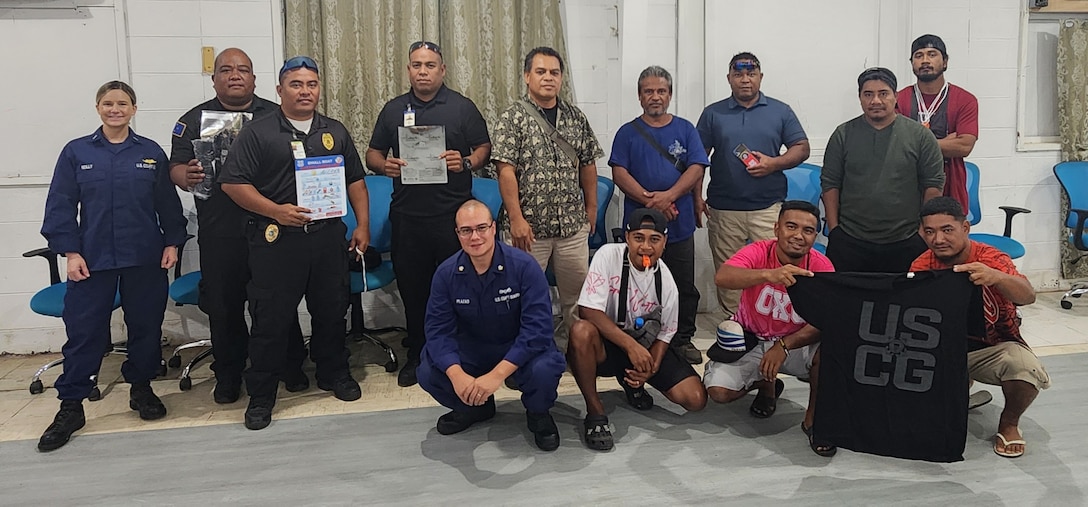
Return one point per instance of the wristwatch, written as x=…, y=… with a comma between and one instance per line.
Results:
x=466, y=163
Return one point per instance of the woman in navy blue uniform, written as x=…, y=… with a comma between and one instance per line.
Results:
x=114, y=214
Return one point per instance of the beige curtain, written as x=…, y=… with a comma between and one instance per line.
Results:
x=1073, y=121
x=362, y=48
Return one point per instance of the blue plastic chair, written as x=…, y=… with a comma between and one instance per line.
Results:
x=1004, y=242
x=803, y=184
x=380, y=189
x=1073, y=177
x=50, y=302
x=486, y=190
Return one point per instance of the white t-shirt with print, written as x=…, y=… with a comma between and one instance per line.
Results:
x=602, y=287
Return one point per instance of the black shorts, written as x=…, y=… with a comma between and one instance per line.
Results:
x=673, y=368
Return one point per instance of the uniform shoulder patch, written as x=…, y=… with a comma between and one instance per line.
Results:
x=179, y=129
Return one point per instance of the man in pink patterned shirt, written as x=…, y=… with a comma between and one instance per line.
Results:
x=765, y=335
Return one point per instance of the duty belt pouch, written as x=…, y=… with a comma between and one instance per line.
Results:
x=553, y=134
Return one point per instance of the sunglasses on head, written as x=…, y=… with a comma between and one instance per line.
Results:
x=745, y=65
x=425, y=45
x=298, y=62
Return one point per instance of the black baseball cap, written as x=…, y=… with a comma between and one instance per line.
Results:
x=929, y=41
x=877, y=73
x=646, y=218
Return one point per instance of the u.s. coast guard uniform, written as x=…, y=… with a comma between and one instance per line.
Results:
x=128, y=212
x=479, y=320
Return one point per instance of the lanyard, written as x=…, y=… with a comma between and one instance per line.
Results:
x=926, y=112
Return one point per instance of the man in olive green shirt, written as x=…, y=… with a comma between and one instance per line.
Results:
x=878, y=170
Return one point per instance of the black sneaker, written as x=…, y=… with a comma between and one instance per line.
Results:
x=407, y=375
x=544, y=431
x=458, y=421
x=296, y=382
x=68, y=420
x=259, y=413
x=143, y=400
x=226, y=391
x=344, y=388
x=689, y=352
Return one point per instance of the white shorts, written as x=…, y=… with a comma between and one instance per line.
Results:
x=742, y=373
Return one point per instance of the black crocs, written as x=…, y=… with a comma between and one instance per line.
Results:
x=598, y=433
x=637, y=397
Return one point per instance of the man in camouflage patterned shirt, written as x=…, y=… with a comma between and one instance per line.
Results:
x=545, y=153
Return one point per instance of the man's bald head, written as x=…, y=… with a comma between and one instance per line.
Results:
x=233, y=79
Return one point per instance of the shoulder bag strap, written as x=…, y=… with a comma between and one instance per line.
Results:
x=656, y=145
x=552, y=133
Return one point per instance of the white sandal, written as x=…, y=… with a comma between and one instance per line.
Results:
x=1006, y=444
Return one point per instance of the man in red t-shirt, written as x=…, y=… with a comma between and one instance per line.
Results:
x=766, y=336
x=1001, y=357
x=949, y=111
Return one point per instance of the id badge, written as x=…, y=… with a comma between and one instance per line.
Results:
x=298, y=150
x=409, y=117
x=745, y=155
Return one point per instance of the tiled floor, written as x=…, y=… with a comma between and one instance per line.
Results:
x=1047, y=328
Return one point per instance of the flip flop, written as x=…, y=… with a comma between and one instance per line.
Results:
x=1006, y=444
x=979, y=399
x=824, y=450
x=764, y=406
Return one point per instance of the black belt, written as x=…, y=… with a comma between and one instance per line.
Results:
x=310, y=227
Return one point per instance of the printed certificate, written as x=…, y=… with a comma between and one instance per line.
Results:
x=422, y=148
x=320, y=186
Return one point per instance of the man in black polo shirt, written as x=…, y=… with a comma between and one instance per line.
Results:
x=423, y=215
x=291, y=255
x=224, y=256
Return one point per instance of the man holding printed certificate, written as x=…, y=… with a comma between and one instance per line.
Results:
x=428, y=140
x=293, y=171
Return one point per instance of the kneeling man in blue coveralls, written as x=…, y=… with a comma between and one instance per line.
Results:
x=489, y=317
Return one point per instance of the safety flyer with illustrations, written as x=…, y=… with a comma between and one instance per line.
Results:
x=319, y=186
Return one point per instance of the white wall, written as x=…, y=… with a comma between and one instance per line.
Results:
x=811, y=51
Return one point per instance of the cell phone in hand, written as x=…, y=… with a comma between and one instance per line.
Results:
x=745, y=155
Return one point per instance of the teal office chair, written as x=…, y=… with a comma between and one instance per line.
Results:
x=380, y=189
x=1004, y=242
x=1073, y=177
x=50, y=302
x=605, y=189
x=803, y=184
x=486, y=190
x=185, y=290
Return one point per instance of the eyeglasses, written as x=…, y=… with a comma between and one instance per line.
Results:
x=466, y=232
x=745, y=65
x=298, y=62
x=425, y=45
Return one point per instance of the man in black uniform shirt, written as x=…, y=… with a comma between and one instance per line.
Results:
x=291, y=255
x=423, y=215
x=224, y=256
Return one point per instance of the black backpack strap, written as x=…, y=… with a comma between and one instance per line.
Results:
x=621, y=311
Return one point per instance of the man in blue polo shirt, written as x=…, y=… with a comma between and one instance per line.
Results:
x=744, y=135
x=657, y=159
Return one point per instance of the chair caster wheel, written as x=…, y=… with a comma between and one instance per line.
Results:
x=390, y=366
x=185, y=384
x=1067, y=305
x=36, y=387
x=174, y=362
x=95, y=395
